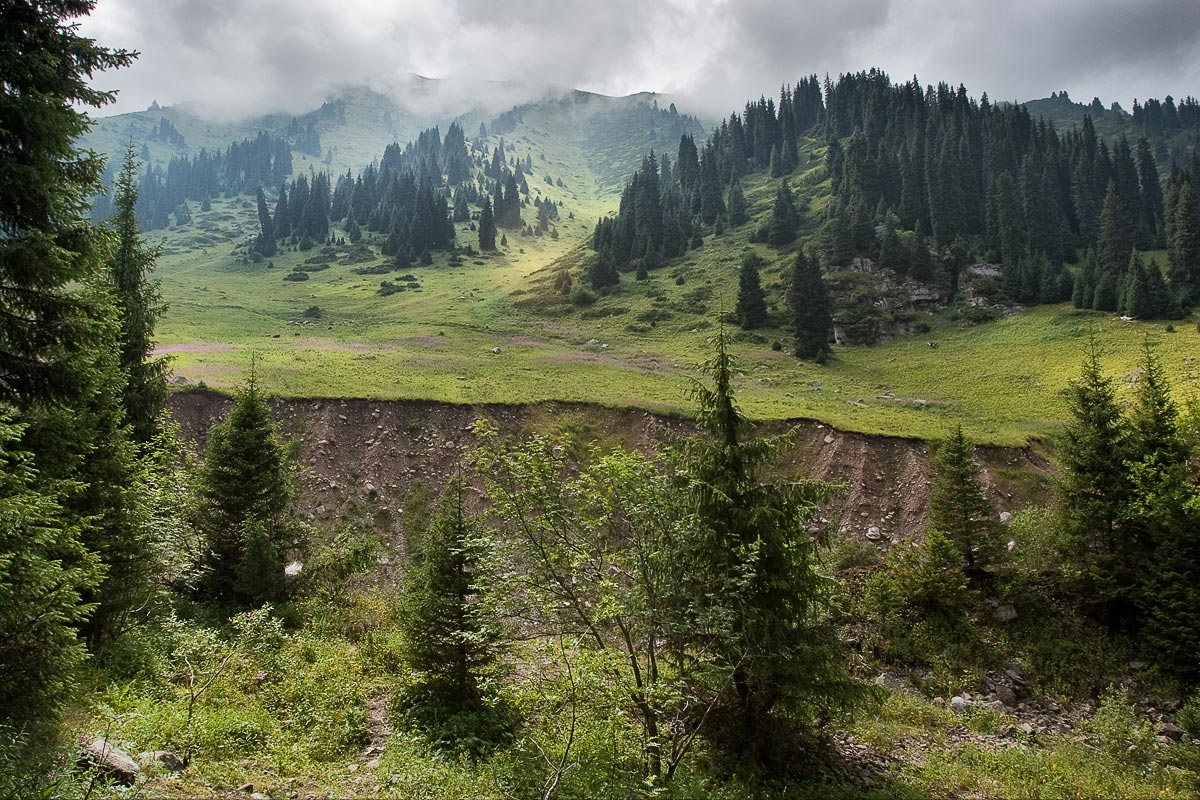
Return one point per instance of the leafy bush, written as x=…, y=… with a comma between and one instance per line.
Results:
x=582, y=296
x=1119, y=730
x=919, y=606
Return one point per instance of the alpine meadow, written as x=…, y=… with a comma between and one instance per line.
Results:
x=367, y=434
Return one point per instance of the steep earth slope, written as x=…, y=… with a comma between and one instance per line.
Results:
x=349, y=447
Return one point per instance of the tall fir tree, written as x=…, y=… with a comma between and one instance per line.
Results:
x=785, y=217
x=139, y=303
x=1094, y=490
x=449, y=638
x=812, y=315
x=265, y=244
x=58, y=345
x=1184, y=243
x=738, y=214
x=751, y=309
x=245, y=490
x=958, y=508
x=487, y=226
x=786, y=660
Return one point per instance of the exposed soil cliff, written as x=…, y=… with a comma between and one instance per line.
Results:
x=348, y=446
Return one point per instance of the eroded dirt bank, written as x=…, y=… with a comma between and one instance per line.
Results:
x=349, y=446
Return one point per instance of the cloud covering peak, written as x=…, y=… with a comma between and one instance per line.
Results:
x=234, y=58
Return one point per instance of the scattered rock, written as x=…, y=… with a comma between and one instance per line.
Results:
x=162, y=760
x=890, y=682
x=100, y=755
x=246, y=787
x=959, y=704
x=1006, y=612
x=1006, y=696
x=1171, y=731
x=829, y=439
x=1006, y=516
x=293, y=569
x=496, y=351
x=873, y=533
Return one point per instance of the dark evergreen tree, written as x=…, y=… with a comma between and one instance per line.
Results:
x=738, y=214
x=245, y=490
x=1094, y=491
x=58, y=355
x=449, y=640
x=1165, y=517
x=808, y=299
x=756, y=541
x=785, y=218
x=957, y=506
x=139, y=304
x=265, y=244
x=44, y=571
x=1184, y=242
x=1117, y=227
x=487, y=227
x=751, y=309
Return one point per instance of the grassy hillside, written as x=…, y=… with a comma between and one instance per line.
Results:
x=436, y=338
x=634, y=347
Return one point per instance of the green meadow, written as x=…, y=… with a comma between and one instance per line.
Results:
x=638, y=346
x=493, y=329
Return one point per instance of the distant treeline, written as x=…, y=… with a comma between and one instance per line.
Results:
x=981, y=180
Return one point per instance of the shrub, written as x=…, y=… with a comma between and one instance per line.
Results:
x=1119, y=730
x=582, y=296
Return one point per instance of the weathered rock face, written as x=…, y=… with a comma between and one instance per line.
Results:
x=382, y=448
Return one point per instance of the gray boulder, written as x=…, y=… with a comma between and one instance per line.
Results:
x=102, y=756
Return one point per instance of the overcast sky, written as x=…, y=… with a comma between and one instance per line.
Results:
x=233, y=57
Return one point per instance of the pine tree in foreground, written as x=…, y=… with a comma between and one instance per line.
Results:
x=448, y=639
x=245, y=490
x=758, y=540
x=957, y=506
x=139, y=304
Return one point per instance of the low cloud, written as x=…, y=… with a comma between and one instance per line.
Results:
x=234, y=58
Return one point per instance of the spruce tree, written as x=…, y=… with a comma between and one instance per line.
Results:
x=245, y=490
x=957, y=506
x=1094, y=491
x=139, y=304
x=449, y=639
x=751, y=309
x=487, y=226
x=1164, y=521
x=756, y=541
x=785, y=218
x=44, y=572
x=1117, y=225
x=920, y=260
x=1184, y=244
x=738, y=214
x=812, y=318
x=58, y=351
x=265, y=245
x=47, y=250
